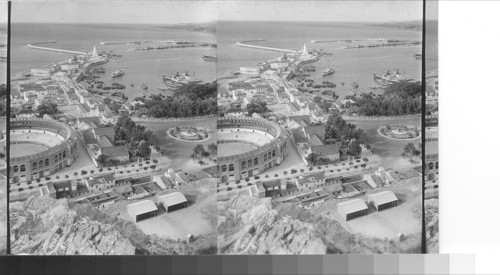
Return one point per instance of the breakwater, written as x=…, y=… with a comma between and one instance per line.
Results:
x=244, y=44
x=34, y=46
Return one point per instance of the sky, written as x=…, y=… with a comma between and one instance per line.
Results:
x=339, y=11
x=117, y=12
x=3, y=12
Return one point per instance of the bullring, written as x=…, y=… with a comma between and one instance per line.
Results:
x=39, y=147
x=248, y=146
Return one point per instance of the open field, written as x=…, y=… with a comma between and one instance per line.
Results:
x=178, y=151
x=389, y=150
x=404, y=218
x=198, y=218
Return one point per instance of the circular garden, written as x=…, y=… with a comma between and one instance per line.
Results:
x=187, y=133
x=397, y=131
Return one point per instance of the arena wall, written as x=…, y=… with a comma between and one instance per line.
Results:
x=255, y=162
x=55, y=158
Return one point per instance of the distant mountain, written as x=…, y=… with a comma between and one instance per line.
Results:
x=206, y=27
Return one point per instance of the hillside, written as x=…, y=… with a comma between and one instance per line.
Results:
x=249, y=225
x=44, y=226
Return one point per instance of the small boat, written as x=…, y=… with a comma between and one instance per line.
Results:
x=417, y=55
x=118, y=73
x=144, y=86
x=355, y=85
x=209, y=58
x=328, y=71
x=342, y=83
x=132, y=85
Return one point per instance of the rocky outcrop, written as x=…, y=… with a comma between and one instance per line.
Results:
x=432, y=225
x=262, y=230
x=44, y=226
x=248, y=225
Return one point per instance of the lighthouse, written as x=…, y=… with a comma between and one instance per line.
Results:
x=304, y=51
x=94, y=52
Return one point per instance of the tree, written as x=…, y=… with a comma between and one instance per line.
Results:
x=212, y=148
x=106, y=100
x=312, y=158
x=144, y=150
x=101, y=160
x=198, y=151
x=47, y=107
x=257, y=106
x=354, y=148
x=410, y=151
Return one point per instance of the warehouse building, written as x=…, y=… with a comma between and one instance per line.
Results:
x=173, y=201
x=352, y=209
x=142, y=210
x=383, y=200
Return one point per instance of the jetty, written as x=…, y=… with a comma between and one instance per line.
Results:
x=244, y=44
x=34, y=46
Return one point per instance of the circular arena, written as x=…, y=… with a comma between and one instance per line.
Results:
x=248, y=146
x=39, y=147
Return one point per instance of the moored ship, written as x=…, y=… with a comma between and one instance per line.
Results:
x=328, y=71
x=181, y=79
x=390, y=77
x=118, y=73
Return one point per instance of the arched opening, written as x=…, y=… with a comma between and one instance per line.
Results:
x=23, y=168
x=231, y=167
x=224, y=168
x=255, y=161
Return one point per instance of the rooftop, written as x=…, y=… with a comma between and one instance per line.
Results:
x=383, y=197
x=115, y=151
x=172, y=199
x=352, y=206
x=325, y=150
x=142, y=207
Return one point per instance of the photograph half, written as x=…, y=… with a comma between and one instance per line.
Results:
x=3, y=136
x=113, y=128
x=319, y=127
x=431, y=166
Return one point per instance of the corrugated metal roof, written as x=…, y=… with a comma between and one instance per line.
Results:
x=351, y=206
x=142, y=207
x=172, y=199
x=383, y=197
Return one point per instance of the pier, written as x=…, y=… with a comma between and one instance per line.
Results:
x=244, y=44
x=33, y=46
